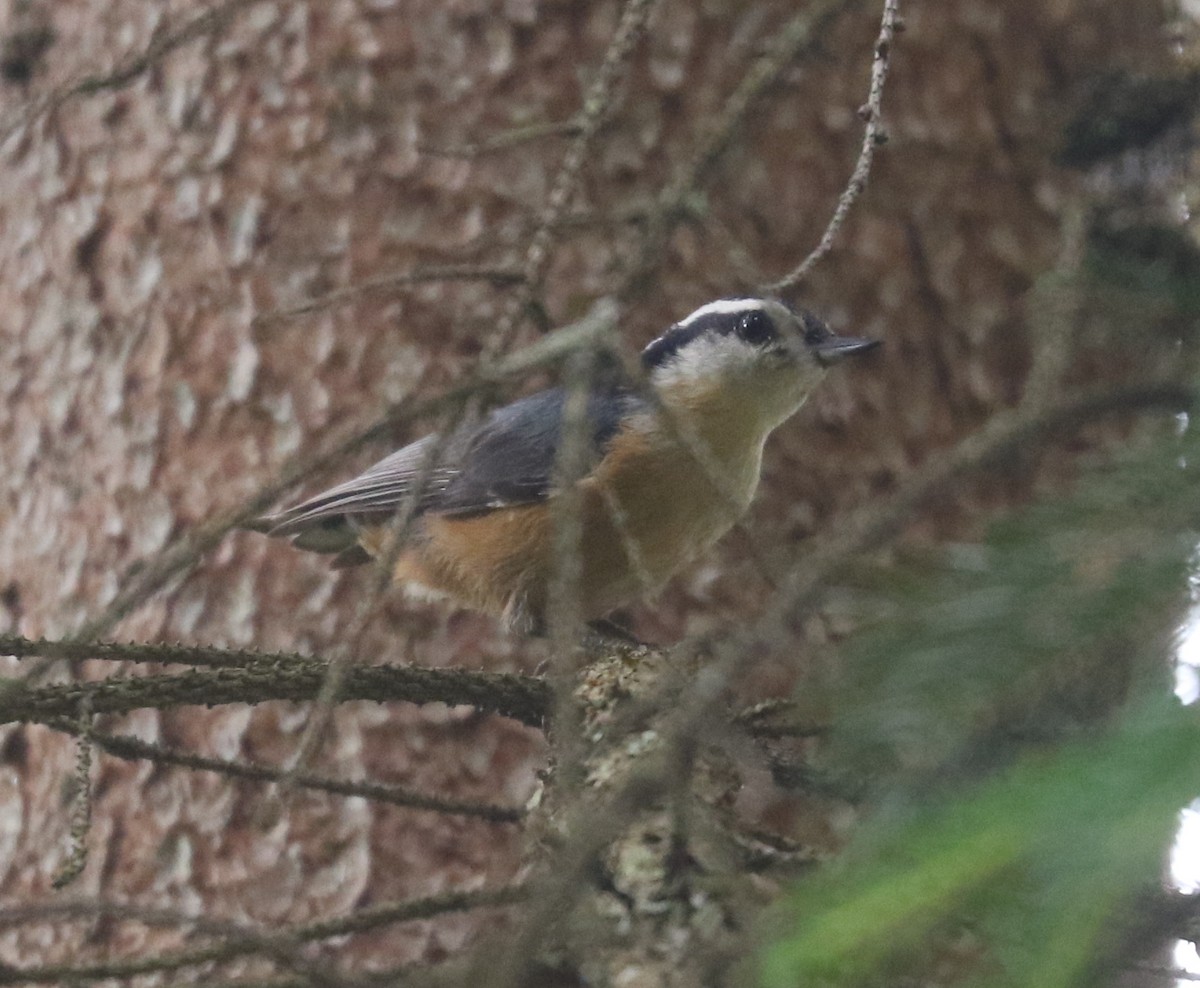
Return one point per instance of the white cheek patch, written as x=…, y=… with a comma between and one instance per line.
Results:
x=707, y=360
x=765, y=391
x=724, y=306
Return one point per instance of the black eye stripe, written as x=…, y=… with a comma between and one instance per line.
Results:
x=666, y=346
x=751, y=323
x=674, y=339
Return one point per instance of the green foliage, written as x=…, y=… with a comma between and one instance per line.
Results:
x=1049, y=615
x=1123, y=111
x=1036, y=861
x=1144, y=267
x=1014, y=698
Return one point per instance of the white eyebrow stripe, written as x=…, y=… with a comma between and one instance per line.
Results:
x=722, y=306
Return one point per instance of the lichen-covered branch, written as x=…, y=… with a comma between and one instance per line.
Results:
x=297, y=679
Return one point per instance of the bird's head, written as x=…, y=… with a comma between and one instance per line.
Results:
x=757, y=354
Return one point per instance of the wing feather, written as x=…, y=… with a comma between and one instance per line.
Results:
x=506, y=460
x=378, y=491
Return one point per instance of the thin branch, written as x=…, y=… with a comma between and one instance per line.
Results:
x=874, y=137
x=523, y=698
x=234, y=938
x=504, y=140
x=785, y=730
x=129, y=69
x=134, y=749
x=799, y=35
x=410, y=909
x=572, y=463
x=563, y=606
x=237, y=940
x=387, y=283
x=596, y=106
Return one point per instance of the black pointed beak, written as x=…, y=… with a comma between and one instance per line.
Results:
x=832, y=350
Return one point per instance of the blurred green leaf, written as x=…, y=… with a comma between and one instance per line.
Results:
x=1014, y=697
x=1039, y=860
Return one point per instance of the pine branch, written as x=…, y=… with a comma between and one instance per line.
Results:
x=289, y=677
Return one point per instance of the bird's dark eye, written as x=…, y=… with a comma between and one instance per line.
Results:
x=756, y=328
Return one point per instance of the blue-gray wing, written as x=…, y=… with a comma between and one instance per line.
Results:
x=510, y=459
x=375, y=494
x=506, y=460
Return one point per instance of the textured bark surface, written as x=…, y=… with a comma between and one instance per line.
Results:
x=301, y=149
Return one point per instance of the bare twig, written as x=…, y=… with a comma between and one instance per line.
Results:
x=573, y=462
x=236, y=940
x=134, y=749
x=504, y=140
x=596, y=105
x=676, y=202
x=214, y=19
x=563, y=605
x=874, y=136
x=389, y=283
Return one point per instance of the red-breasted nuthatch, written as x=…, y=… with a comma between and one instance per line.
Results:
x=672, y=471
